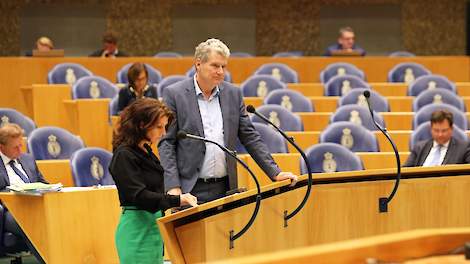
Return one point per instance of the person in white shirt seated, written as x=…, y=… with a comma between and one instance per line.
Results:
x=16, y=168
x=442, y=149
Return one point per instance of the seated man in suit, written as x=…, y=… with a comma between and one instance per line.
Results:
x=207, y=106
x=16, y=168
x=110, y=47
x=346, y=43
x=442, y=148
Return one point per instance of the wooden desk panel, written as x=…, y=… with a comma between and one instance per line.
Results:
x=55, y=171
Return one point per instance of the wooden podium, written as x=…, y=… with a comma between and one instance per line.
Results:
x=75, y=225
x=342, y=206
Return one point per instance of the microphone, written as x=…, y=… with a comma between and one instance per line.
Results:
x=383, y=201
x=180, y=135
x=251, y=109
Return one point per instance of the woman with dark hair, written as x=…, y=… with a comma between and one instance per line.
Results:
x=138, y=87
x=139, y=180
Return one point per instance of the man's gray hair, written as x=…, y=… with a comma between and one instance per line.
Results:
x=205, y=48
x=9, y=131
x=344, y=30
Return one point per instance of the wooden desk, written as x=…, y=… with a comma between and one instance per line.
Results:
x=55, y=171
x=74, y=226
x=342, y=206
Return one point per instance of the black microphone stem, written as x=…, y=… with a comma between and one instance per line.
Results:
x=233, y=237
x=383, y=201
x=307, y=163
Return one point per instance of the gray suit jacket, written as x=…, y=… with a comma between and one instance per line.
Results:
x=182, y=159
x=457, y=153
x=29, y=166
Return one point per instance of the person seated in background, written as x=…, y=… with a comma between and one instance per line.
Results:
x=346, y=44
x=42, y=44
x=442, y=148
x=138, y=86
x=16, y=168
x=110, y=47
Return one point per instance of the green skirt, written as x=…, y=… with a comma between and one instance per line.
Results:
x=138, y=238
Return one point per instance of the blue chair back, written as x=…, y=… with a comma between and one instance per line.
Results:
x=53, y=143
x=424, y=115
x=430, y=82
x=340, y=85
x=168, y=54
x=292, y=100
x=93, y=87
x=378, y=102
x=67, y=73
x=352, y=136
x=280, y=71
x=90, y=167
x=407, y=72
x=283, y=118
x=192, y=71
x=154, y=76
x=167, y=81
x=260, y=85
x=401, y=54
x=438, y=95
x=423, y=132
x=357, y=114
x=113, y=106
x=10, y=115
x=273, y=140
x=330, y=157
x=339, y=69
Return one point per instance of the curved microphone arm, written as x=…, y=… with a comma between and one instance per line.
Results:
x=383, y=201
x=251, y=109
x=233, y=237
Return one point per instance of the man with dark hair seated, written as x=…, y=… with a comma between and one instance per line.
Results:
x=346, y=44
x=442, y=148
x=110, y=47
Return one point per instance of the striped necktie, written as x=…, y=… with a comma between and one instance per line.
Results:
x=18, y=172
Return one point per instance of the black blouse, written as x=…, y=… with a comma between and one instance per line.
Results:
x=139, y=180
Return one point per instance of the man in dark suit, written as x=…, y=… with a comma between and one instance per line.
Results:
x=442, y=148
x=16, y=168
x=346, y=44
x=209, y=107
x=110, y=47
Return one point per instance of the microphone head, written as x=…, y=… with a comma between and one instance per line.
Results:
x=250, y=109
x=181, y=134
x=366, y=94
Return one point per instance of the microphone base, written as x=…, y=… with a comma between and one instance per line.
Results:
x=383, y=205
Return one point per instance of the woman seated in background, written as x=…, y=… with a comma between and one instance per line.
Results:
x=137, y=88
x=139, y=180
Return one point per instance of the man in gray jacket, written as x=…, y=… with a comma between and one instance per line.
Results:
x=207, y=106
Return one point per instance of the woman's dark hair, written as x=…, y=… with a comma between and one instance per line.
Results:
x=134, y=72
x=137, y=118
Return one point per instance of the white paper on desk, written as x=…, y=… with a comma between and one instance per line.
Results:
x=36, y=187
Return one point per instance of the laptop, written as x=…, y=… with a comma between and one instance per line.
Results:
x=50, y=53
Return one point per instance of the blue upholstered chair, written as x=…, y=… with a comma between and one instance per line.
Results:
x=113, y=106
x=90, y=167
x=280, y=71
x=423, y=132
x=424, y=115
x=352, y=136
x=240, y=54
x=227, y=76
x=10, y=115
x=167, y=81
x=438, y=95
x=378, y=102
x=67, y=73
x=271, y=137
x=283, y=118
x=93, y=87
x=357, y=114
x=340, y=68
x=154, y=76
x=53, y=143
x=168, y=54
x=401, y=54
x=430, y=82
x=407, y=72
x=261, y=85
x=340, y=85
x=330, y=157
x=284, y=54
x=291, y=100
